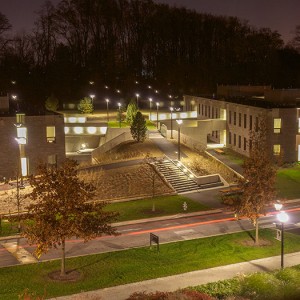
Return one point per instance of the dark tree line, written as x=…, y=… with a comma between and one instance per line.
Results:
x=116, y=42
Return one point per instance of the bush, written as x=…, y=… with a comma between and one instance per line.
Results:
x=261, y=286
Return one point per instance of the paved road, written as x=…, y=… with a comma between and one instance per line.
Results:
x=137, y=235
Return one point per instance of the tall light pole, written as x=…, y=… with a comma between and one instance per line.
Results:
x=92, y=96
x=171, y=109
x=137, y=100
x=15, y=99
x=107, y=113
x=150, y=104
x=157, y=106
x=282, y=218
x=179, y=122
x=119, y=104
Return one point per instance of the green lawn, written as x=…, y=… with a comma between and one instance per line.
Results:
x=234, y=156
x=164, y=205
x=121, y=267
x=288, y=182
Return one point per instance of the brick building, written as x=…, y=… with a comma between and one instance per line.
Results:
x=239, y=110
x=28, y=139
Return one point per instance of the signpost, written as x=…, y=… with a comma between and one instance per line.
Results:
x=154, y=239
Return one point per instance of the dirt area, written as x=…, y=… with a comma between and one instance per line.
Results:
x=131, y=182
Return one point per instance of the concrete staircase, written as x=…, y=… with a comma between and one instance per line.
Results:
x=177, y=175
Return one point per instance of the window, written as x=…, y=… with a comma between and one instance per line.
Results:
x=234, y=118
x=202, y=110
x=52, y=160
x=277, y=125
x=216, y=134
x=230, y=117
x=245, y=121
x=245, y=144
x=212, y=112
x=240, y=119
x=250, y=122
x=209, y=111
x=24, y=166
x=205, y=111
x=256, y=124
x=199, y=109
x=50, y=132
x=22, y=135
x=216, y=112
x=276, y=149
x=229, y=138
x=234, y=139
x=20, y=118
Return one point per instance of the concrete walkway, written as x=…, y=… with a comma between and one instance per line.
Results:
x=173, y=283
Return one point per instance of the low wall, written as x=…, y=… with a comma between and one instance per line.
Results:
x=110, y=144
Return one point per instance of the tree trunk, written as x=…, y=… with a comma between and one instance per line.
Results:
x=256, y=232
x=63, y=259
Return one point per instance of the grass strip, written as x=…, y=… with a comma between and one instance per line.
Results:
x=164, y=206
x=116, y=268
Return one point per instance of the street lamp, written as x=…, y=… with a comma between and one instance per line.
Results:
x=92, y=96
x=171, y=109
x=137, y=100
x=107, y=113
x=15, y=99
x=282, y=218
x=150, y=104
x=157, y=106
x=119, y=104
x=179, y=122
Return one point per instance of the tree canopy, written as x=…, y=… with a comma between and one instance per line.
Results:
x=63, y=208
x=138, y=128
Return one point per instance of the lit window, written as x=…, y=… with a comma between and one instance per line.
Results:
x=91, y=130
x=78, y=130
x=67, y=130
x=22, y=135
x=50, y=132
x=24, y=166
x=277, y=125
x=276, y=149
x=20, y=118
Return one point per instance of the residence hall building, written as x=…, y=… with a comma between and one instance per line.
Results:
x=240, y=108
x=27, y=139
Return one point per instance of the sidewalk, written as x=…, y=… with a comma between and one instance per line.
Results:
x=173, y=283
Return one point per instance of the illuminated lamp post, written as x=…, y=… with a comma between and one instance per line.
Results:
x=171, y=109
x=92, y=96
x=137, y=100
x=119, y=104
x=157, y=106
x=107, y=112
x=282, y=218
x=179, y=122
x=150, y=105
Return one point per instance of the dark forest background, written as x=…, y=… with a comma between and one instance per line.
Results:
x=80, y=46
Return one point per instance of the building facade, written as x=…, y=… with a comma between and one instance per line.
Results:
x=27, y=140
x=241, y=115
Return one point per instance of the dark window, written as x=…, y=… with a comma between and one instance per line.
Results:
x=240, y=119
x=245, y=121
x=202, y=111
x=229, y=138
x=256, y=124
x=230, y=117
x=250, y=122
x=234, y=139
x=240, y=141
x=212, y=112
x=205, y=111
x=234, y=118
x=199, y=109
x=209, y=111
x=245, y=144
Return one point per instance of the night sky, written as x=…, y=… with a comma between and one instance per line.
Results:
x=280, y=15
